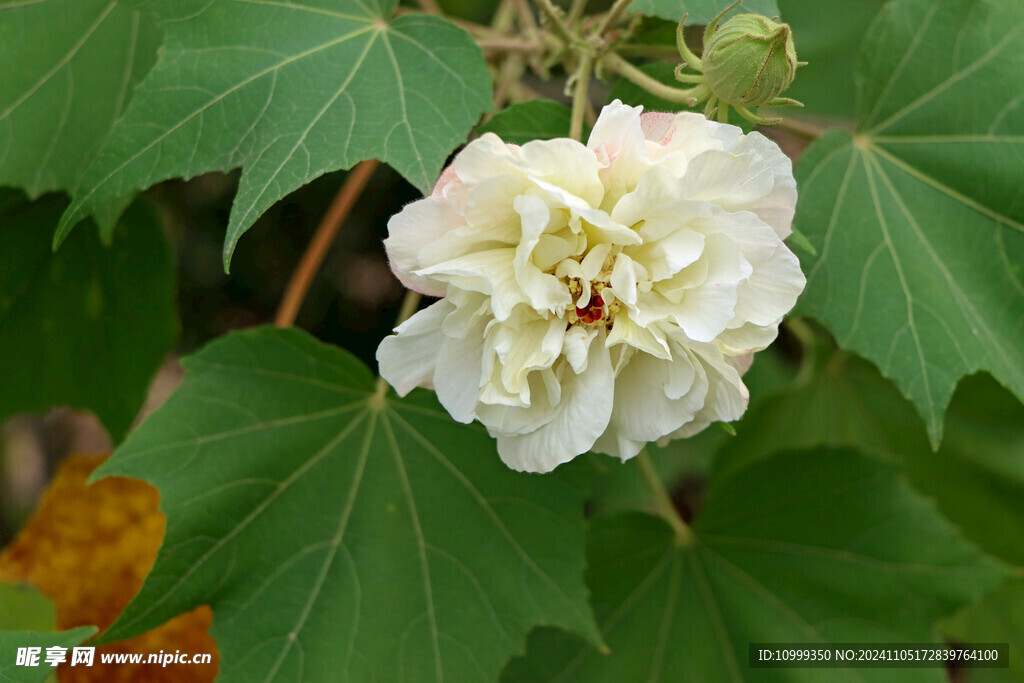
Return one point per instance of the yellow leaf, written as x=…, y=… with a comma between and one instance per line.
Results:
x=88, y=548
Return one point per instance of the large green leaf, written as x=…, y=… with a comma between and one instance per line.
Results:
x=828, y=36
x=89, y=325
x=288, y=91
x=69, y=69
x=918, y=217
x=701, y=11
x=805, y=546
x=976, y=477
x=340, y=535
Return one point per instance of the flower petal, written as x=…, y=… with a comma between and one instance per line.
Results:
x=578, y=420
x=407, y=359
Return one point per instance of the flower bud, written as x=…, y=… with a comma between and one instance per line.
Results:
x=749, y=60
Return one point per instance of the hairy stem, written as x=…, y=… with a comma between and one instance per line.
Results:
x=580, y=95
x=664, y=504
x=302, y=278
x=617, y=64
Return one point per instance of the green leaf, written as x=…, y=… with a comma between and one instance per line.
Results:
x=701, y=11
x=828, y=36
x=919, y=217
x=338, y=535
x=998, y=618
x=532, y=120
x=69, y=70
x=24, y=608
x=805, y=546
x=87, y=326
x=10, y=641
x=976, y=477
x=289, y=91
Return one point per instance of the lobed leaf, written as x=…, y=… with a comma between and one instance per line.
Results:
x=806, y=546
x=289, y=91
x=918, y=217
x=340, y=535
x=69, y=70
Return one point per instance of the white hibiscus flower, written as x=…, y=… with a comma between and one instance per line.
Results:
x=599, y=296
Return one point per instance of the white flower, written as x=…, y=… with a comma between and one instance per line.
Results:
x=596, y=297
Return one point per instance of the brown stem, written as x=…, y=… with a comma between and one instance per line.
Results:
x=302, y=278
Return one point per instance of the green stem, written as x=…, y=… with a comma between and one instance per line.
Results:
x=613, y=16
x=804, y=130
x=557, y=22
x=623, y=68
x=409, y=305
x=580, y=95
x=664, y=504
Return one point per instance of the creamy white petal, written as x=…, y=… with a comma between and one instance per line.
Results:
x=457, y=374
x=407, y=359
x=489, y=272
x=410, y=231
x=579, y=419
x=566, y=164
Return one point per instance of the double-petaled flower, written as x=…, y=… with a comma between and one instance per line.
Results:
x=598, y=296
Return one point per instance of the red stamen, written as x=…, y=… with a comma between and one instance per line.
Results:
x=593, y=312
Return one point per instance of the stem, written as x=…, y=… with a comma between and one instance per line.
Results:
x=409, y=305
x=557, y=22
x=580, y=95
x=804, y=130
x=576, y=11
x=509, y=45
x=308, y=266
x=684, y=536
x=429, y=6
x=613, y=16
x=640, y=50
x=620, y=66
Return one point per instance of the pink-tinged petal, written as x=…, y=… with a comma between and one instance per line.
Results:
x=657, y=126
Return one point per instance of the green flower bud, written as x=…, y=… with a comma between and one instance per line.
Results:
x=749, y=60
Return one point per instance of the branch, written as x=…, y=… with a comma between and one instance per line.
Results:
x=301, y=279
x=557, y=22
x=580, y=96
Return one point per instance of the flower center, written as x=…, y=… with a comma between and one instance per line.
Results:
x=593, y=312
